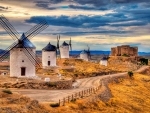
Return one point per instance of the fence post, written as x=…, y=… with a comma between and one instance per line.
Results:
x=59, y=102
x=68, y=99
x=72, y=97
x=64, y=102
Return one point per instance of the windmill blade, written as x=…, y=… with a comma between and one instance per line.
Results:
x=70, y=44
x=7, y=50
x=36, y=29
x=58, y=38
x=89, y=54
x=31, y=57
x=9, y=28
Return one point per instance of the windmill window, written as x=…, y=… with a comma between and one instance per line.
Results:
x=22, y=60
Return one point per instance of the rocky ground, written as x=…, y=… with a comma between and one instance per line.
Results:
x=16, y=103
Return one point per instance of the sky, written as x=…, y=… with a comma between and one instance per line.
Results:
x=101, y=24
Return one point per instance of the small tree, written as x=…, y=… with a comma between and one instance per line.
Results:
x=130, y=73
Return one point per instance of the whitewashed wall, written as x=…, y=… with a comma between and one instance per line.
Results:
x=16, y=62
x=84, y=57
x=103, y=62
x=48, y=56
x=64, y=51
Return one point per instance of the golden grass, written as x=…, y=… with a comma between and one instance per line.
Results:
x=129, y=96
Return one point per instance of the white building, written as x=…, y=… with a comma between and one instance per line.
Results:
x=64, y=50
x=49, y=56
x=104, y=61
x=20, y=65
x=84, y=55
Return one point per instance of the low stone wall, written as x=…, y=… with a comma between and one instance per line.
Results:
x=66, y=84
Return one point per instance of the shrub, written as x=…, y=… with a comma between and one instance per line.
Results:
x=51, y=84
x=7, y=91
x=130, y=73
x=54, y=105
x=125, y=55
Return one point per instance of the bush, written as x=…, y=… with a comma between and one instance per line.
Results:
x=51, y=84
x=54, y=105
x=7, y=91
x=130, y=73
x=125, y=55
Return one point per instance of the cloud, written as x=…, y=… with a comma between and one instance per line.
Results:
x=133, y=18
x=3, y=8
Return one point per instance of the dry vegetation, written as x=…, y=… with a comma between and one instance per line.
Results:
x=15, y=103
x=77, y=68
x=129, y=96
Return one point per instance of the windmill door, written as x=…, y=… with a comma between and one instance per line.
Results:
x=49, y=63
x=23, y=71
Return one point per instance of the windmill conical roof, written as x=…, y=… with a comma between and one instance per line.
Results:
x=65, y=44
x=25, y=43
x=84, y=52
x=104, y=58
x=49, y=47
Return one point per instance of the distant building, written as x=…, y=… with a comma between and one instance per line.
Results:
x=124, y=50
x=84, y=55
x=104, y=61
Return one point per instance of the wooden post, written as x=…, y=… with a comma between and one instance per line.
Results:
x=64, y=102
x=72, y=97
x=59, y=102
x=68, y=99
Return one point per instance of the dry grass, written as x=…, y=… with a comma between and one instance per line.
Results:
x=78, y=68
x=129, y=96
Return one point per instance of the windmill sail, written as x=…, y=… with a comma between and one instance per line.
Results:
x=23, y=40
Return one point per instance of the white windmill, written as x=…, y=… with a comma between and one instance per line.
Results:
x=23, y=61
x=64, y=48
x=49, y=54
x=104, y=61
x=84, y=55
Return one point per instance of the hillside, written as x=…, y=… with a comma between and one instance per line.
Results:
x=77, y=68
x=129, y=96
x=16, y=103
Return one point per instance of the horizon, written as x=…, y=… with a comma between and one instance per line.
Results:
x=99, y=24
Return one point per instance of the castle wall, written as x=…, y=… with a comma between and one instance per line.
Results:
x=124, y=49
x=19, y=59
x=48, y=56
x=64, y=51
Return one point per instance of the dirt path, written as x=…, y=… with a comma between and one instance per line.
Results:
x=81, y=84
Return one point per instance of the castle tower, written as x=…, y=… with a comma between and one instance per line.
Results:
x=64, y=50
x=84, y=55
x=20, y=65
x=49, y=56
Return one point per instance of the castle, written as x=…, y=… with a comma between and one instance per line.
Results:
x=124, y=50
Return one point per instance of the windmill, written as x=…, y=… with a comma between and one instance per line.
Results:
x=64, y=48
x=85, y=54
x=23, y=58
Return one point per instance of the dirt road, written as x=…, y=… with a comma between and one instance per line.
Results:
x=55, y=95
